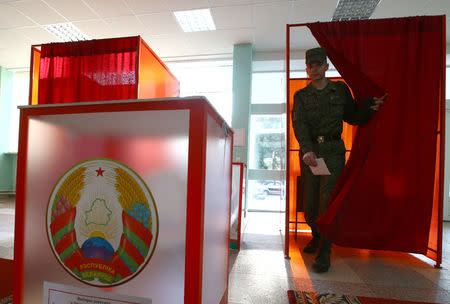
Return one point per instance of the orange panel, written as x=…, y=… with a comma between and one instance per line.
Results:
x=348, y=134
x=292, y=180
x=34, y=75
x=434, y=225
x=155, y=79
x=294, y=86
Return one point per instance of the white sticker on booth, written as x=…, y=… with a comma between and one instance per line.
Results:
x=65, y=294
x=239, y=138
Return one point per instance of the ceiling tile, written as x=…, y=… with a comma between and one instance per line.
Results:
x=13, y=38
x=38, y=35
x=271, y=35
x=269, y=1
x=160, y=23
x=271, y=15
x=125, y=26
x=215, y=3
x=145, y=6
x=437, y=7
x=398, y=8
x=109, y=8
x=232, y=17
x=10, y=17
x=218, y=42
x=179, y=5
x=73, y=10
x=95, y=29
x=312, y=11
x=166, y=45
x=270, y=38
x=38, y=11
x=198, y=43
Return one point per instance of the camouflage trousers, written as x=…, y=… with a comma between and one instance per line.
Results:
x=318, y=188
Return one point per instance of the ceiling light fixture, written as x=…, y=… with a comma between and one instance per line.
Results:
x=66, y=31
x=354, y=9
x=195, y=20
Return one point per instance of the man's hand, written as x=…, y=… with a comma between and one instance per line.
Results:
x=378, y=102
x=310, y=159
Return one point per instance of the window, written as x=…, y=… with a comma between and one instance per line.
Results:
x=21, y=82
x=269, y=88
x=212, y=79
x=266, y=195
x=267, y=142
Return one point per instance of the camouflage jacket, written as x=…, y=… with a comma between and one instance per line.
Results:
x=321, y=112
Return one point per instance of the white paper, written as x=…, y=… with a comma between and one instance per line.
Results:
x=321, y=168
x=65, y=294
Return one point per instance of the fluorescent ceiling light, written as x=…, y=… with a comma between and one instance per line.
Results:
x=66, y=31
x=195, y=20
x=354, y=9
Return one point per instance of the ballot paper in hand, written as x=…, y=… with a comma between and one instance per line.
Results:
x=321, y=168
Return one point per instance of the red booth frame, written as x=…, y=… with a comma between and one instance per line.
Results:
x=241, y=184
x=441, y=153
x=198, y=114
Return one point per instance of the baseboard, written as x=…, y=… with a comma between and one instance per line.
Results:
x=7, y=193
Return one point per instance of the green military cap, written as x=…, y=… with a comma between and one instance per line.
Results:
x=317, y=54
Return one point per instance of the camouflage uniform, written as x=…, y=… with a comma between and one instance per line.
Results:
x=317, y=121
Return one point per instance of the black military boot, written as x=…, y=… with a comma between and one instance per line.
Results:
x=322, y=263
x=314, y=244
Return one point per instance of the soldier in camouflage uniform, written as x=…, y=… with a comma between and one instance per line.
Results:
x=317, y=116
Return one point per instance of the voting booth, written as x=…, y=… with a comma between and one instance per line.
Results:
x=129, y=198
x=120, y=199
x=98, y=70
x=123, y=189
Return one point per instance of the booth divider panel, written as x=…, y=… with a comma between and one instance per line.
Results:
x=155, y=79
x=136, y=139
x=34, y=75
x=348, y=134
x=217, y=211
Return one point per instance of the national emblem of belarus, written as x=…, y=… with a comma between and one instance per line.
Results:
x=102, y=222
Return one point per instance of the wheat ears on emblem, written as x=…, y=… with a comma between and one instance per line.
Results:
x=69, y=193
x=130, y=191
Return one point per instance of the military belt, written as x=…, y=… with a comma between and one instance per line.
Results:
x=323, y=138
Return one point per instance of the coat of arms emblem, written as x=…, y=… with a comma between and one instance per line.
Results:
x=102, y=222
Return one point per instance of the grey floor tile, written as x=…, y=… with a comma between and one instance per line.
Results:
x=433, y=295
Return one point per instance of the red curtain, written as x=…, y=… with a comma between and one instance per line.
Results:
x=94, y=70
x=384, y=197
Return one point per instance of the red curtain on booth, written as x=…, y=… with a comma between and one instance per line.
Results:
x=94, y=70
x=384, y=197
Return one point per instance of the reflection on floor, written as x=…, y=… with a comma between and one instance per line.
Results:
x=260, y=274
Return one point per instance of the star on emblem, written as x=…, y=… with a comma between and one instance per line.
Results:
x=99, y=171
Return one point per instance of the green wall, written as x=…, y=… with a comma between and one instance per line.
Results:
x=242, y=87
x=7, y=160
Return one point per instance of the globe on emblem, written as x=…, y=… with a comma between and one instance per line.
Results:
x=97, y=248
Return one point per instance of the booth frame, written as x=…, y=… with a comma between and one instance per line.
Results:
x=441, y=141
x=242, y=180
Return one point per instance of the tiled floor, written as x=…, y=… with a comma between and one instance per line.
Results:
x=7, y=212
x=259, y=273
